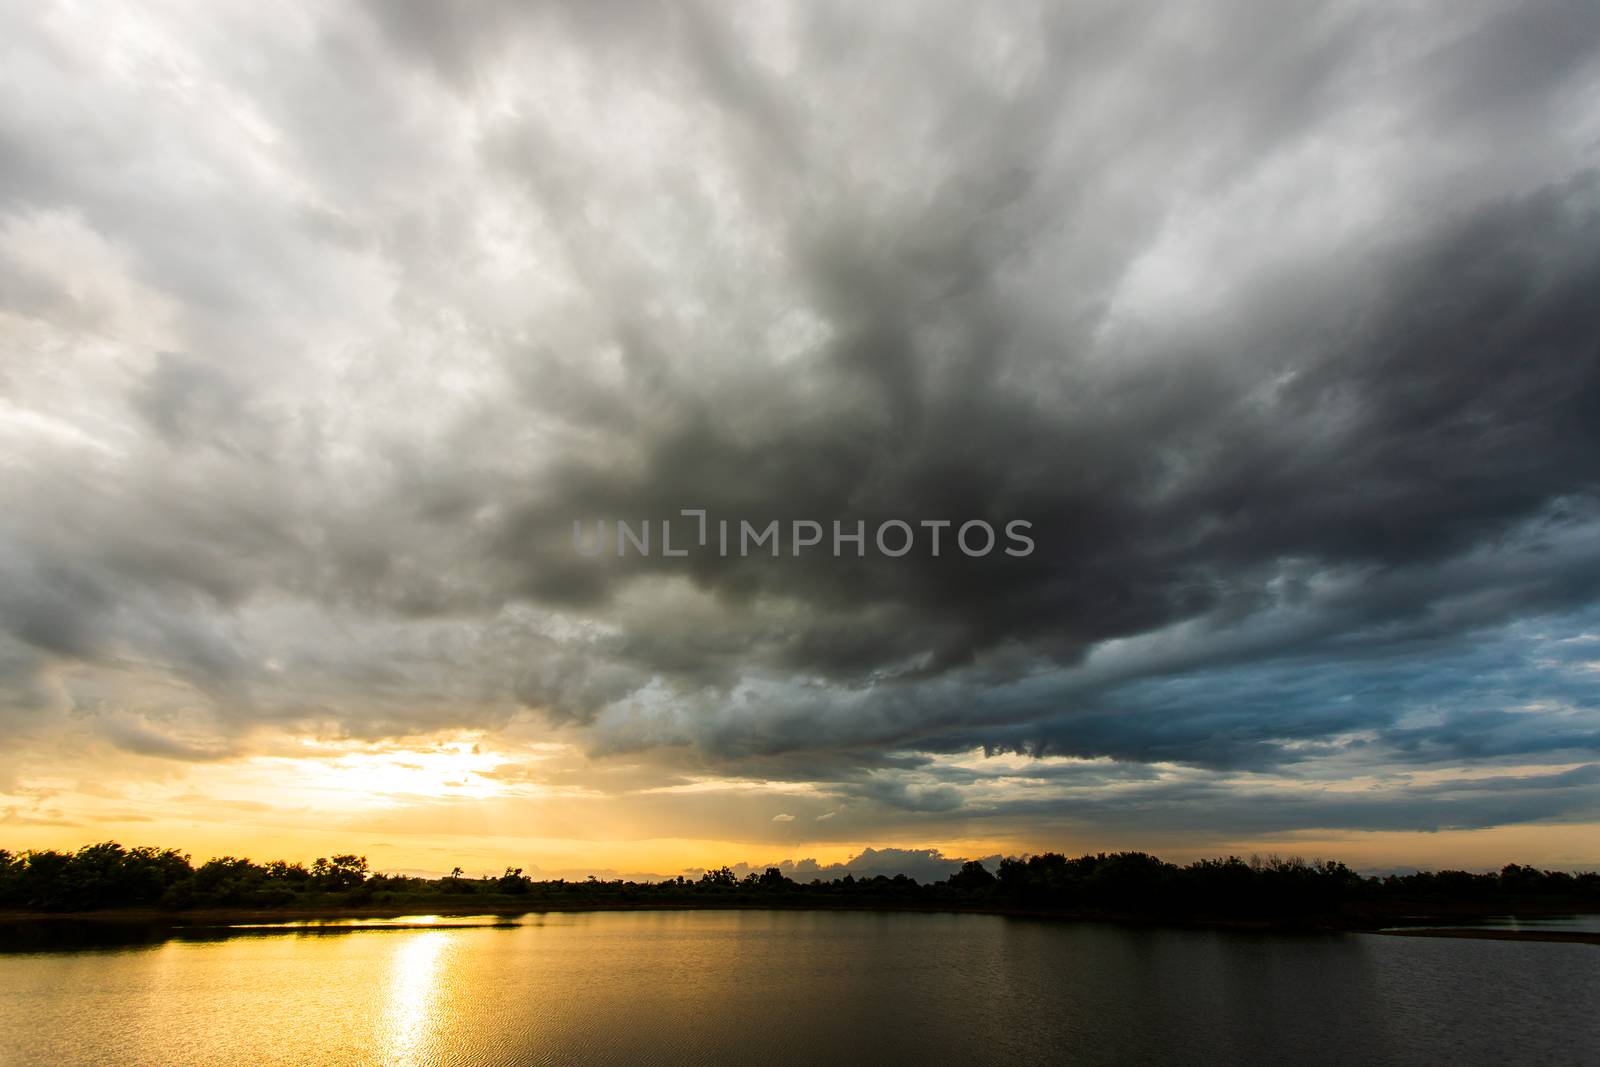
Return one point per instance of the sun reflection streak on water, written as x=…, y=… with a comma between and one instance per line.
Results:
x=413, y=990
x=804, y=988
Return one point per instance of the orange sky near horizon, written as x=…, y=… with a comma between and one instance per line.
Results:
x=472, y=801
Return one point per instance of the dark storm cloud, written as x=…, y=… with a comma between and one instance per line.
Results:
x=1289, y=352
x=1450, y=406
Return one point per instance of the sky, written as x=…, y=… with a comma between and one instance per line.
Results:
x=1279, y=325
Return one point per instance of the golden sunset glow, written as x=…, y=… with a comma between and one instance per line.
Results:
x=488, y=801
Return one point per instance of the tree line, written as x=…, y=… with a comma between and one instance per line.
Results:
x=1116, y=884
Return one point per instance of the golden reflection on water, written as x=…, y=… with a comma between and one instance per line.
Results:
x=701, y=987
x=414, y=981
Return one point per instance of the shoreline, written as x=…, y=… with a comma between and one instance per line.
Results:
x=1565, y=937
x=304, y=918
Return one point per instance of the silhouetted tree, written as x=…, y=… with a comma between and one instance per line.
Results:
x=720, y=878
x=1121, y=883
x=512, y=882
x=973, y=875
x=341, y=872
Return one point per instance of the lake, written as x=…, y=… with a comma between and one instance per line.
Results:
x=786, y=987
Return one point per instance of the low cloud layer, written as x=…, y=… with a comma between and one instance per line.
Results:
x=1280, y=329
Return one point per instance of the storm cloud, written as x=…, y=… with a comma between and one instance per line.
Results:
x=1280, y=327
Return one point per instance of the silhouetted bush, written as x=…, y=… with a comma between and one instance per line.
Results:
x=1117, y=884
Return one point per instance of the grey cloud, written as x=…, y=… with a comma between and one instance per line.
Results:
x=1470, y=804
x=1289, y=353
x=143, y=741
x=185, y=398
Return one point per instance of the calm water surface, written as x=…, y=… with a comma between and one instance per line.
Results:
x=708, y=987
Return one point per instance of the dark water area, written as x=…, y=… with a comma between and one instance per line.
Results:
x=1585, y=924
x=773, y=987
